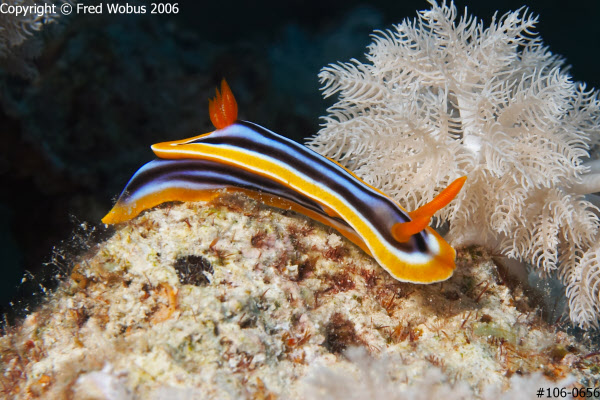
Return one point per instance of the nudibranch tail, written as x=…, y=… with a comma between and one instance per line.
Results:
x=125, y=210
x=223, y=108
x=440, y=201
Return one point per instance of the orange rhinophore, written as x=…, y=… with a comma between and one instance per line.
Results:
x=421, y=217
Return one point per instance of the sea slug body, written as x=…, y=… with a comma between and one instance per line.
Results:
x=243, y=156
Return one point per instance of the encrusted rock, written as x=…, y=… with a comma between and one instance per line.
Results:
x=233, y=299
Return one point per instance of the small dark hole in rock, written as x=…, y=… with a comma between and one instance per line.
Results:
x=191, y=269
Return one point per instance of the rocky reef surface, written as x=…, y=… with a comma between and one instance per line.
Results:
x=233, y=299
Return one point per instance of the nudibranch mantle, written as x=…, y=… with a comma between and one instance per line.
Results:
x=161, y=181
x=254, y=160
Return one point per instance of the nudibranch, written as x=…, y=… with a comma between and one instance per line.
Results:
x=246, y=157
x=161, y=181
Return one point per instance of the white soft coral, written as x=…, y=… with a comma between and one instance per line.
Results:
x=443, y=97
